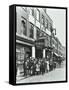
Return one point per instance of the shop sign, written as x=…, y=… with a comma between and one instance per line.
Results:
x=39, y=44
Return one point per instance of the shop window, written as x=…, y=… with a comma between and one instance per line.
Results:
x=20, y=54
x=38, y=15
x=31, y=30
x=23, y=27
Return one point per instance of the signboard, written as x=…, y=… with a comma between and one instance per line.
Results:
x=40, y=43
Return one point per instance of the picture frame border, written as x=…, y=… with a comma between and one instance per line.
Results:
x=41, y=6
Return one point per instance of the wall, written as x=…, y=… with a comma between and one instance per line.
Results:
x=4, y=45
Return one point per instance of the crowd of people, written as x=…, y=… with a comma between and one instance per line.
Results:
x=37, y=66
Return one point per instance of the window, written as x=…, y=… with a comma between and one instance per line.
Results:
x=41, y=34
x=44, y=10
x=32, y=12
x=38, y=33
x=43, y=22
x=47, y=37
x=31, y=30
x=20, y=54
x=52, y=34
x=23, y=27
x=24, y=8
x=38, y=15
x=50, y=27
x=46, y=24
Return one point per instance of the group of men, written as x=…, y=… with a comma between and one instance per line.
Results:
x=37, y=66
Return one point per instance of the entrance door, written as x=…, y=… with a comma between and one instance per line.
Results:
x=39, y=53
x=28, y=51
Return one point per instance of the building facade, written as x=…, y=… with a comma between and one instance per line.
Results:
x=34, y=35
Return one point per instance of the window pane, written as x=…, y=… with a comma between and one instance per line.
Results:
x=23, y=28
x=24, y=8
x=32, y=12
x=44, y=10
x=37, y=15
x=46, y=24
x=43, y=22
x=50, y=27
x=31, y=30
x=38, y=33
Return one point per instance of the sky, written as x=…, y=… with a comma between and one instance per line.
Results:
x=59, y=20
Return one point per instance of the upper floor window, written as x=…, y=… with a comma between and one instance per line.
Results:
x=23, y=27
x=43, y=22
x=50, y=27
x=38, y=15
x=46, y=23
x=41, y=34
x=38, y=33
x=44, y=10
x=32, y=11
x=31, y=31
x=24, y=8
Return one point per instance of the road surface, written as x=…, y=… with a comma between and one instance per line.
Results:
x=55, y=75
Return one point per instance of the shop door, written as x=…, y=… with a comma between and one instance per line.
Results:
x=39, y=53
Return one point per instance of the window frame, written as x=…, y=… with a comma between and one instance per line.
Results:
x=43, y=20
x=37, y=15
x=38, y=32
x=46, y=23
x=25, y=21
x=31, y=33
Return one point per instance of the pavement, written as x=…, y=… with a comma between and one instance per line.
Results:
x=59, y=74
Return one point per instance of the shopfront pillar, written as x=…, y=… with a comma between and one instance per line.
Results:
x=43, y=53
x=33, y=51
x=18, y=71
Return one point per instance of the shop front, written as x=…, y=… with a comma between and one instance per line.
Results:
x=24, y=49
x=48, y=53
x=39, y=46
x=42, y=50
x=22, y=52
